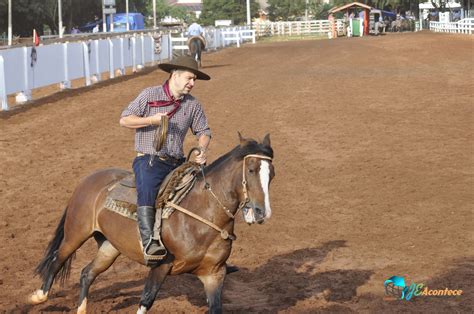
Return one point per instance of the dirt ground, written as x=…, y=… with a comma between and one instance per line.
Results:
x=373, y=141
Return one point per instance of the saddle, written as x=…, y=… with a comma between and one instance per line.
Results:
x=201, y=38
x=122, y=197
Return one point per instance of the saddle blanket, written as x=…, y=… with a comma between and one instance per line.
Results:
x=122, y=195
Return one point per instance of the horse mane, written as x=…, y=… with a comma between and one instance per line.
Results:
x=240, y=151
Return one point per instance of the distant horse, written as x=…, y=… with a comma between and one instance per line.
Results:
x=241, y=179
x=402, y=25
x=196, y=45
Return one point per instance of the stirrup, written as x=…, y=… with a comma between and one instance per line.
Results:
x=154, y=257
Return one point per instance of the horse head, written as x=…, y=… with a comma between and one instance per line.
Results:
x=257, y=173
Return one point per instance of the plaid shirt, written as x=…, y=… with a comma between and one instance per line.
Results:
x=189, y=115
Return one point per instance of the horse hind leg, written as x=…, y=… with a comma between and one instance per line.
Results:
x=106, y=256
x=58, y=258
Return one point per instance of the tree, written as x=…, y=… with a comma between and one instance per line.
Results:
x=286, y=10
x=164, y=9
x=235, y=10
x=29, y=14
x=26, y=15
x=319, y=10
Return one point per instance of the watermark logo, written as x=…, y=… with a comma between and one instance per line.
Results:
x=396, y=287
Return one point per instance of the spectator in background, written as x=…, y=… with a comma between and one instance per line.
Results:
x=362, y=21
x=379, y=25
x=97, y=22
x=75, y=30
x=346, y=24
x=456, y=15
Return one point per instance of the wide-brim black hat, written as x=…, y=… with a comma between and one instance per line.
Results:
x=186, y=63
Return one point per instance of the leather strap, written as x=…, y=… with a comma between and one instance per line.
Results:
x=224, y=233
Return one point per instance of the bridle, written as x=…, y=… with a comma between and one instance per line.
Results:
x=224, y=233
x=246, y=199
x=244, y=181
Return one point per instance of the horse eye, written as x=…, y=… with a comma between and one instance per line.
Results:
x=251, y=171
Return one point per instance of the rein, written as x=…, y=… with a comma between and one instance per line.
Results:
x=224, y=233
x=159, y=137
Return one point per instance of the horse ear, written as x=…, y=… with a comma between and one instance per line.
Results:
x=266, y=140
x=242, y=140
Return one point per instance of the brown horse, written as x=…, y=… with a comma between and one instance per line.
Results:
x=240, y=179
x=196, y=46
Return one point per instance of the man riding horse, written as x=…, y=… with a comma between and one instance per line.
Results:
x=196, y=31
x=150, y=113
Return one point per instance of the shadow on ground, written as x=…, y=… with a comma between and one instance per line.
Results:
x=277, y=285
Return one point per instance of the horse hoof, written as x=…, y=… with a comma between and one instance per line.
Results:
x=82, y=308
x=38, y=297
x=141, y=310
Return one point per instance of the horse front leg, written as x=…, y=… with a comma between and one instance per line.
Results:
x=153, y=283
x=213, y=284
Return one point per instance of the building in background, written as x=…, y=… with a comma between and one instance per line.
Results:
x=194, y=6
x=263, y=4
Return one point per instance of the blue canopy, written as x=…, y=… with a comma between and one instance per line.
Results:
x=388, y=13
x=136, y=21
x=384, y=13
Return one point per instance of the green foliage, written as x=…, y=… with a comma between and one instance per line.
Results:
x=163, y=10
x=40, y=14
x=27, y=15
x=286, y=10
x=318, y=10
x=235, y=10
x=43, y=14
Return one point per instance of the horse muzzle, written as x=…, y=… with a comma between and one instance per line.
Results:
x=254, y=214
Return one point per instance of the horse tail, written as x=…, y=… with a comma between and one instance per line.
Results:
x=46, y=266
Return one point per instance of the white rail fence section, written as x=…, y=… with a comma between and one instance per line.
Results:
x=464, y=26
x=314, y=27
x=26, y=68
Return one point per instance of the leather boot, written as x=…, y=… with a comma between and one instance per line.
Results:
x=146, y=221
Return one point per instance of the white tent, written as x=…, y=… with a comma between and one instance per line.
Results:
x=429, y=5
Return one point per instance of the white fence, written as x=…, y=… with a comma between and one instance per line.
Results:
x=464, y=26
x=215, y=38
x=314, y=27
x=26, y=68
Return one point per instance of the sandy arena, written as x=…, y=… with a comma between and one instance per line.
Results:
x=373, y=141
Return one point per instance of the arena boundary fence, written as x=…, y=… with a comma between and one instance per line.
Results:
x=24, y=69
x=313, y=27
x=464, y=26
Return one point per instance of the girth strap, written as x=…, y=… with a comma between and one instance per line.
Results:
x=224, y=233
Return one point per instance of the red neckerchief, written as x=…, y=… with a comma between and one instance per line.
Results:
x=171, y=101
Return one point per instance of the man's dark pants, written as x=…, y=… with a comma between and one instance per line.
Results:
x=148, y=181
